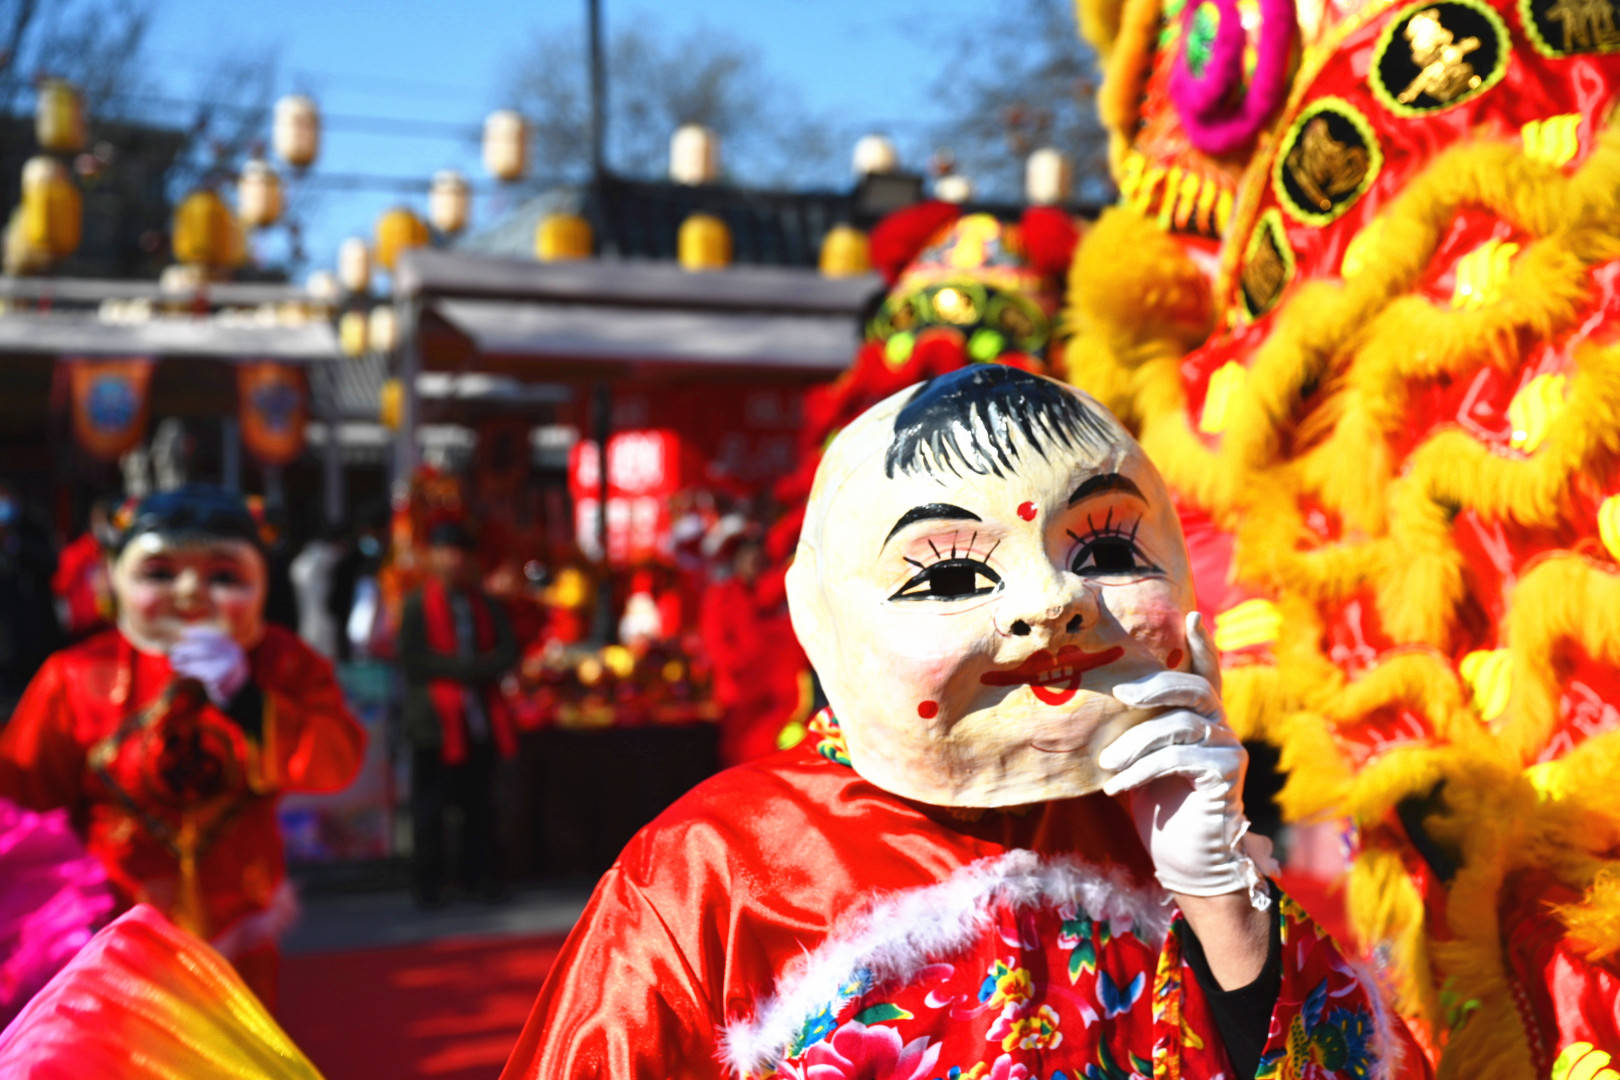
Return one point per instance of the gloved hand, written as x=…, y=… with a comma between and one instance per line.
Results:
x=214, y=659
x=1182, y=776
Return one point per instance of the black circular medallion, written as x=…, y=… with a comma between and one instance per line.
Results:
x=1433, y=56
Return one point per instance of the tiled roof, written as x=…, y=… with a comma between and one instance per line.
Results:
x=639, y=219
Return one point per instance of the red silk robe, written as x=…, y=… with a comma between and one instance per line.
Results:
x=169, y=792
x=754, y=889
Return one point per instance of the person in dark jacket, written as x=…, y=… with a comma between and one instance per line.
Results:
x=29, y=631
x=454, y=645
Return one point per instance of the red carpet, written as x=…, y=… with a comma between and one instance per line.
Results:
x=449, y=1010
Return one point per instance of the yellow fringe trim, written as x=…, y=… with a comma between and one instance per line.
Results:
x=1134, y=40
x=1594, y=923
x=1099, y=22
x=1332, y=384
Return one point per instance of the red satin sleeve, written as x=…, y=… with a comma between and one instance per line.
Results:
x=41, y=759
x=315, y=743
x=705, y=906
x=621, y=1000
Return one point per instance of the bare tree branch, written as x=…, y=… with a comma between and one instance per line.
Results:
x=656, y=83
x=1025, y=81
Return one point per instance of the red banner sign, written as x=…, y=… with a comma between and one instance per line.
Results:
x=644, y=470
x=273, y=404
x=110, y=403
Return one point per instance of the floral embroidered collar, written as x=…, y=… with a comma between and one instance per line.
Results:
x=828, y=738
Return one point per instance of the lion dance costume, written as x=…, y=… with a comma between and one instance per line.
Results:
x=1357, y=301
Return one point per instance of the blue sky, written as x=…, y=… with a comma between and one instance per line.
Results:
x=853, y=60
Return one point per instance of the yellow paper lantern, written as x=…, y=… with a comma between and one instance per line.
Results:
x=694, y=155
x=398, y=230
x=506, y=144
x=382, y=329
x=52, y=208
x=59, y=117
x=21, y=256
x=181, y=279
x=1048, y=177
x=236, y=245
x=845, y=252
x=875, y=154
x=704, y=243
x=296, y=131
x=448, y=200
x=354, y=265
x=203, y=230
x=563, y=236
x=352, y=333
x=390, y=403
x=259, y=199
x=322, y=287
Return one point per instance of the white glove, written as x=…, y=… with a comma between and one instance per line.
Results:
x=1182, y=775
x=212, y=658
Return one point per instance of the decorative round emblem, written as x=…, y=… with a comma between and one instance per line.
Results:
x=1560, y=28
x=1432, y=56
x=1328, y=159
x=1268, y=265
x=277, y=404
x=112, y=404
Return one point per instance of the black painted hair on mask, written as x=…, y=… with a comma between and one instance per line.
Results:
x=967, y=418
x=192, y=514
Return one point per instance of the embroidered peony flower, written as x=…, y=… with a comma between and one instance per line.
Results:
x=1006, y=1069
x=1005, y=985
x=858, y=1052
x=1019, y=1028
x=1322, y=1045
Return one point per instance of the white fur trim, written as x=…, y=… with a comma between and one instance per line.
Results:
x=1389, y=1053
x=898, y=935
x=263, y=927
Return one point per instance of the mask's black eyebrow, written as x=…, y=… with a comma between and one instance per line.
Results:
x=931, y=512
x=1106, y=482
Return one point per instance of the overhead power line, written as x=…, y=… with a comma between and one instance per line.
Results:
x=377, y=125
x=420, y=184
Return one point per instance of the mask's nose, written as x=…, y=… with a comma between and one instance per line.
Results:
x=1058, y=605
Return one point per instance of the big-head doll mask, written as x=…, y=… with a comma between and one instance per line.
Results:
x=984, y=556
x=188, y=558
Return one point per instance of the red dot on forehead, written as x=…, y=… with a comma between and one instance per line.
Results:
x=1026, y=511
x=1174, y=659
x=928, y=710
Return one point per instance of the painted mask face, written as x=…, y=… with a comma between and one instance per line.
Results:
x=983, y=558
x=164, y=586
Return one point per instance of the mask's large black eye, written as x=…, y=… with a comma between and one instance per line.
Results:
x=1109, y=549
x=950, y=579
x=1108, y=555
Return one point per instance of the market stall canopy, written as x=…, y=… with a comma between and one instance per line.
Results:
x=65, y=316
x=80, y=334
x=609, y=318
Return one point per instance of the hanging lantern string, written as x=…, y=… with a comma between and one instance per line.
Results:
x=375, y=125
x=359, y=122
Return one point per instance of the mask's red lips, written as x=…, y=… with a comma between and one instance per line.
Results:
x=1054, y=680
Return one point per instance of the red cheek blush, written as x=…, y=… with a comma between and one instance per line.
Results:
x=1026, y=511
x=928, y=710
x=1174, y=659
